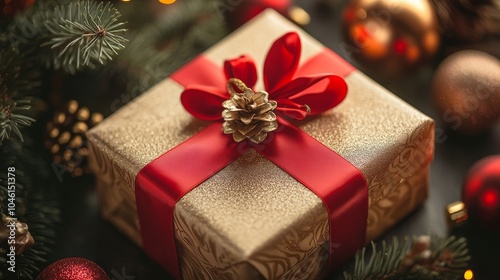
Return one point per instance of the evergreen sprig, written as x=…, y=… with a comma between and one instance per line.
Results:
x=69, y=35
x=426, y=257
x=12, y=119
x=84, y=33
x=18, y=80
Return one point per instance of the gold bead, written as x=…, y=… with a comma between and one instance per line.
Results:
x=67, y=155
x=60, y=118
x=72, y=107
x=54, y=132
x=64, y=138
x=80, y=127
x=96, y=118
x=55, y=148
x=76, y=142
x=83, y=114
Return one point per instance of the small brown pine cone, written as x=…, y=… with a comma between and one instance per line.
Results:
x=249, y=115
x=23, y=238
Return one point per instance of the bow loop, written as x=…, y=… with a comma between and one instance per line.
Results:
x=204, y=102
x=242, y=68
x=319, y=92
x=282, y=61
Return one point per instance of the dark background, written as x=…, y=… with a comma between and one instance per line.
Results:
x=85, y=234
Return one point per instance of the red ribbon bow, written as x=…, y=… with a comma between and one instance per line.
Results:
x=287, y=83
x=161, y=183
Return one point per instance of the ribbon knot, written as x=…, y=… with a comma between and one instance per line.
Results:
x=298, y=90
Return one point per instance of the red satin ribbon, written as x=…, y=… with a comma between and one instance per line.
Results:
x=343, y=189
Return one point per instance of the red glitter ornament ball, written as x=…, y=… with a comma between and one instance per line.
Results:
x=481, y=192
x=73, y=269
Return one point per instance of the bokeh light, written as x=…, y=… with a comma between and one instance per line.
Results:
x=468, y=275
x=167, y=2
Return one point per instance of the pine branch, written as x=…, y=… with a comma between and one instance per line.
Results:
x=12, y=119
x=73, y=35
x=425, y=258
x=84, y=33
x=18, y=78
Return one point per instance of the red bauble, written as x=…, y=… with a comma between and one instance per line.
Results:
x=9, y=8
x=481, y=192
x=73, y=269
x=238, y=12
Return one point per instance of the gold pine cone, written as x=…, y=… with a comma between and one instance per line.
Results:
x=248, y=114
x=65, y=137
x=24, y=239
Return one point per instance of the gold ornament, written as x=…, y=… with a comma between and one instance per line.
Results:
x=466, y=92
x=24, y=239
x=66, y=137
x=248, y=114
x=389, y=37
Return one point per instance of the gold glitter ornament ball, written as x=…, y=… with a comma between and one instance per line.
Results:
x=466, y=91
x=390, y=38
x=66, y=138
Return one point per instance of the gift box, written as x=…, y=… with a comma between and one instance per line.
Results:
x=332, y=163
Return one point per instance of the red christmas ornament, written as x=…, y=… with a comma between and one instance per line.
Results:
x=481, y=192
x=73, y=269
x=9, y=8
x=239, y=12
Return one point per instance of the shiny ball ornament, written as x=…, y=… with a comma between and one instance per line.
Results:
x=390, y=38
x=481, y=193
x=466, y=91
x=9, y=8
x=240, y=11
x=73, y=269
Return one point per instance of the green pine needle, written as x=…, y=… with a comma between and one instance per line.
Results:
x=11, y=119
x=69, y=35
x=84, y=33
x=425, y=258
x=18, y=78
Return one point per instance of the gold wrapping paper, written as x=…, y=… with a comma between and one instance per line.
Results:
x=237, y=225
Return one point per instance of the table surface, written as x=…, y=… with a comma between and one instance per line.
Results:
x=85, y=234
